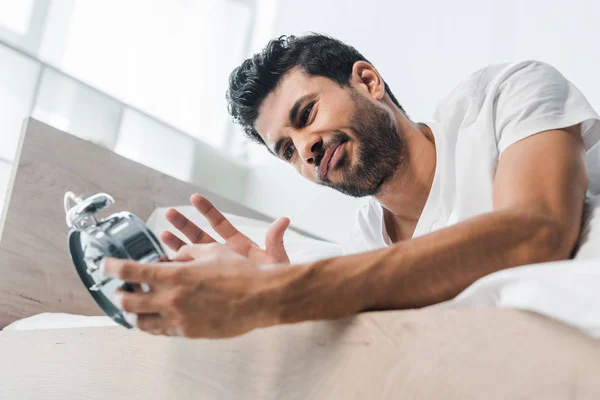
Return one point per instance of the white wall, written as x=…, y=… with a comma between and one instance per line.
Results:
x=423, y=49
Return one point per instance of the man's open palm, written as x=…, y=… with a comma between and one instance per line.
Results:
x=273, y=254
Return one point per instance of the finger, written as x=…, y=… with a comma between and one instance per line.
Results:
x=135, y=272
x=188, y=253
x=137, y=302
x=219, y=223
x=171, y=241
x=152, y=323
x=274, y=239
x=187, y=227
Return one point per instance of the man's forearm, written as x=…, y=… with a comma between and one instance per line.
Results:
x=414, y=273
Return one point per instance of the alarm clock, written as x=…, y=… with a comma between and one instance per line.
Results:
x=90, y=240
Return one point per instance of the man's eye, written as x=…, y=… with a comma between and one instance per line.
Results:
x=288, y=152
x=306, y=114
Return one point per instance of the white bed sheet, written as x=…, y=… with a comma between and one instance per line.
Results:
x=58, y=321
x=567, y=291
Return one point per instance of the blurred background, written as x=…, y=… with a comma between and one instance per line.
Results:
x=147, y=78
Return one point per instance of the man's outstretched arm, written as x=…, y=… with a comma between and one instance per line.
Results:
x=539, y=190
x=209, y=290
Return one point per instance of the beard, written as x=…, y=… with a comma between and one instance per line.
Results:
x=380, y=150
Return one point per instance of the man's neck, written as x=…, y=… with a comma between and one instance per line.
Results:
x=404, y=197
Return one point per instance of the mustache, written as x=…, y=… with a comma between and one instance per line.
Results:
x=340, y=138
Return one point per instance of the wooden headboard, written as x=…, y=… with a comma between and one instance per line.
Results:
x=36, y=274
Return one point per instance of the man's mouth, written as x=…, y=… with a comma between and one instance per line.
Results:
x=331, y=157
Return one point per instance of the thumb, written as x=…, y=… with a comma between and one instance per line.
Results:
x=189, y=253
x=274, y=239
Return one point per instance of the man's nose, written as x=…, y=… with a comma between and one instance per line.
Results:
x=309, y=148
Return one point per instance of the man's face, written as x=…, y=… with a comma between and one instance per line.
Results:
x=334, y=136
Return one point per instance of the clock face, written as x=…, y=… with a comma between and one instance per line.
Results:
x=121, y=235
x=81, y=245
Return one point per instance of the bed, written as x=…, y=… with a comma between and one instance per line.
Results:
x=438, y=352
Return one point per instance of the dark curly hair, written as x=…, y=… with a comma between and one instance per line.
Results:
x=320, y=55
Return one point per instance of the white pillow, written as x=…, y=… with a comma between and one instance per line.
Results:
x=58, y=321
x=299, y=247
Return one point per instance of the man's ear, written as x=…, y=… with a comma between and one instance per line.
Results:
x=365, y=77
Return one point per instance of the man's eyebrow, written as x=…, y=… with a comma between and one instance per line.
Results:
x=292, y=118
x=294, y=110
x=277, y=146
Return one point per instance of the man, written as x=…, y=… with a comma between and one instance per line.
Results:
x=497, y=179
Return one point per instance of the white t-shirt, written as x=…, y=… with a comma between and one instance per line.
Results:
x=492, y=109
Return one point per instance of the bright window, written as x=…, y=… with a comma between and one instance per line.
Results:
x=144, y=140
x=170, y=59
x=15, y=15
x=18, y=76
x=72, y=107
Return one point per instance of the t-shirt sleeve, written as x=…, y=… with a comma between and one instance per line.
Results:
x=533, y=97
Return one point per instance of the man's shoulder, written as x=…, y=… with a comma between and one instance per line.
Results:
x=478, y=83
x=464, y=91
x=477, y=80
